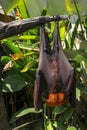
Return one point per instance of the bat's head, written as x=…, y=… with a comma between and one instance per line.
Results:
x=56, y=99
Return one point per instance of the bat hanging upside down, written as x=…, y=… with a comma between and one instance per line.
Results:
x=55, y=77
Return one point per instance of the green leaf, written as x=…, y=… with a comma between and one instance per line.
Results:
x=10, y=45
x=23, y=112
x=35, y=8
x=60, y=109
x=31, y=53
x=70, y=6
x=71, y=128
x=49, y=126
x=25, y=46
x=29, y=65
x=62, y=30
x=28, y=46
x=27, y=111
x=78, y=93
x=72, y=53
x=35, y=45
x=13, y=83
x=56, y=7
x=59, y=125
x=69, y=40
x=81, y=5
x=22, y=9
x=28, y=37
x=8, y=5
x=6, y=59
x=79, y=58
x=83, y=45
x=68, y=113
x=27, y=77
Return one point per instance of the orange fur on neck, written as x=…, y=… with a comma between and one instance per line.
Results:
x=56, y=99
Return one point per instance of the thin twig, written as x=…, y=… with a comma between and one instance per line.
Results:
x=25, y=124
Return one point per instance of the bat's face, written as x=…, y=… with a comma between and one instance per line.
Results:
x=56, y=99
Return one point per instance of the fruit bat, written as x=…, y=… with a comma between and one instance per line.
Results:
x=55, y=77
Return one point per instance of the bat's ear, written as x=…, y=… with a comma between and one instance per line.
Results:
x=44, y=41
x=56, y=38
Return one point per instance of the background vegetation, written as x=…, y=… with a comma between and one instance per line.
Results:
x=19, y=60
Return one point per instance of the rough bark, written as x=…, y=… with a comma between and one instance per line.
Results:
x=20, y=26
